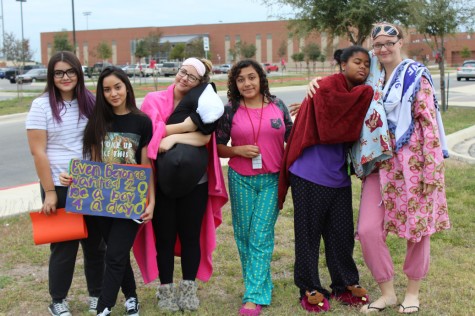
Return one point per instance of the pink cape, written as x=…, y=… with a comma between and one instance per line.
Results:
x=159, y=106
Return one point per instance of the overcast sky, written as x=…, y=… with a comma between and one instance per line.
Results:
x=56, y=15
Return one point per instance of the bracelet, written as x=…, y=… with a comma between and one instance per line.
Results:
x=50, y=190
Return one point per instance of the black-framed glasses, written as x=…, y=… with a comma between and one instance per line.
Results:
x=378, y=46
x=183, y=73
x=387, y=30
x=59, y=74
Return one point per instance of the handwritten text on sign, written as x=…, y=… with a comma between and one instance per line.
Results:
x=107, y=189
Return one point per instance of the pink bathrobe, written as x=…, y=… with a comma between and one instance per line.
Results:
x=159, y=106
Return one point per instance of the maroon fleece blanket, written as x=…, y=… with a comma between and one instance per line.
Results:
x=334, y=115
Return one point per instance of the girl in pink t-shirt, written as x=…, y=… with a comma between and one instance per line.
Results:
x=258, y=124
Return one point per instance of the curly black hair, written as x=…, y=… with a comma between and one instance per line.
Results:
x=234, y=96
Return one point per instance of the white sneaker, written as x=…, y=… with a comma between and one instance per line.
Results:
x=105, y=312
x=132, y=306
x=59, y=309
x=93, y=304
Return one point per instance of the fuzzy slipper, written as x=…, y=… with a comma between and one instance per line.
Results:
x=354, y=295
x=315, y=302
x=250, y=312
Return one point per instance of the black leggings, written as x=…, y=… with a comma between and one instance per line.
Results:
x=183, y=217
x=63, y=257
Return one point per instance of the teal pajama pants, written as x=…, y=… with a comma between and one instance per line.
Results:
x=254, y=212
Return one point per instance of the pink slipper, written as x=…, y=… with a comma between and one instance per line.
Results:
x=348, y=298
x=323, y=306
x=250, y=312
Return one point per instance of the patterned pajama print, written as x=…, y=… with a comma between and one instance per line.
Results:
x=254, y=213
x=321, y=211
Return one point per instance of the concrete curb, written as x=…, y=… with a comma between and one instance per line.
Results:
x=457, y=142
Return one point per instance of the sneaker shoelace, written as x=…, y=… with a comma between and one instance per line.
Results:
x=61, y=307
x=131, y=304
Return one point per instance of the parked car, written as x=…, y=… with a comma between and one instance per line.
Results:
x=222, y=69
x=32, y=75
x=158, y=69
x=467, y=70
x=7, y=73
x=98, y=67
x=268, y=67
x=170, y=68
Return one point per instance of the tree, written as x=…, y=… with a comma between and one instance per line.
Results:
x=351, y=18
x=247, y=50
x=104, y=50
x=298, y=58
x=437, y=19
x=164, y=49
x=194, y=48
x=312, y=53
x=61, y=43
x=16, y=51
x=141, y=50
x=282, y=51
x=153, y=43
x=235, y=52
x=465, y=53
x=178, y=51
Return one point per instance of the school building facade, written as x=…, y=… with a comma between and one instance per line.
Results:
x=267, y=36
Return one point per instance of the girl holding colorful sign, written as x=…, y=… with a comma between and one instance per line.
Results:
x=55, y=126
x=118, y=132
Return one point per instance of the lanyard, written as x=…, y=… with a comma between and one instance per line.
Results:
x=256, y=137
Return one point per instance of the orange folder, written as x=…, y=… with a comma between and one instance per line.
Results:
x=61, y=226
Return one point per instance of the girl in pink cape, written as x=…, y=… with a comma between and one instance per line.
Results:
x=184, y=220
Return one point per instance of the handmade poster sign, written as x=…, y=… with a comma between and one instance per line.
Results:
x=105, y=189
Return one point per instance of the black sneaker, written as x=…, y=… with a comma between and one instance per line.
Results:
x=59, y=309
x=132, y=306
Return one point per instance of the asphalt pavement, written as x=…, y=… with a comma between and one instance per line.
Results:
x=25, y=198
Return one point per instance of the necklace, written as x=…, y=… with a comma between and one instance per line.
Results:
x=256, y=137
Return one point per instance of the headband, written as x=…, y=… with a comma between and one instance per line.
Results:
x=197, y=64
x=384, y=29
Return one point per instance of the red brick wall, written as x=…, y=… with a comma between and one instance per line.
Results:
x=247, y=32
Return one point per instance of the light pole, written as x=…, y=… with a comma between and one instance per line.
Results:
x=87, y=14
x=74, y=29
x=22, y=37
x=3, y=32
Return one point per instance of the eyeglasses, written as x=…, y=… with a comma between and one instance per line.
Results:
x=183, y=73
x=387, y=30
x=387, y=45
x=59, y=74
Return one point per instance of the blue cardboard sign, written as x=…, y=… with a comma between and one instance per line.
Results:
x=106, y=189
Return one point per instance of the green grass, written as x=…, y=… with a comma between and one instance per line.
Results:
x=448, y=290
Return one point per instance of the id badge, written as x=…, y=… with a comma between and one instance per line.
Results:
x=257, y=162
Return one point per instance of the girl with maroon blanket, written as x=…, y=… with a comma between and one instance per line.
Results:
x=315, y=165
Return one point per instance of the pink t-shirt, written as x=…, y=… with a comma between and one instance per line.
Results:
x=270, y=140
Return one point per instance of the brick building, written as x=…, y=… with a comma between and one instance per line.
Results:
x=266, y=36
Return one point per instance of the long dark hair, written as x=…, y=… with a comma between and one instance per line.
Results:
x=102, y=117
x=233, y=92
x=85, y=97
